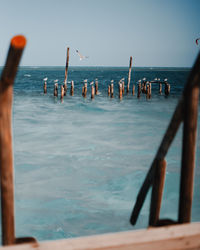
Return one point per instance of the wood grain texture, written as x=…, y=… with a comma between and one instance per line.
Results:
x=185, y=236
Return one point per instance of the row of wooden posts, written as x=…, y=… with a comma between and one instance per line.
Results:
x=143, y=87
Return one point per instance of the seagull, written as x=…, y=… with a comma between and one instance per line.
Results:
x=81, y=56
x=45, y=79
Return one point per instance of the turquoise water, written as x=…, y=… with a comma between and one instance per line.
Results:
x=80, y=163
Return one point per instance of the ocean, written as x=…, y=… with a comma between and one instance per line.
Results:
x=79, y=163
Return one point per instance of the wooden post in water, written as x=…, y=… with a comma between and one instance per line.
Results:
x=112, y=89
x=96, y=87
x=93, y=91
x=6, y=154
x=139, y=90
x=45, y=87
x=167, y=89
x=160, y=88
x=188, y=152
x=120, y=90
x=147, y=91
x=108, y=90
x=66, y=72
x=65, y=89
x=150, y=89
x=61, y=92
x=55, y=89
x=133, y=90
x=85, y=88
x=157, y=191
x=129, y=75
x=72, y=88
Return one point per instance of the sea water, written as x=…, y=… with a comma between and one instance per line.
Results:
x=79, y=163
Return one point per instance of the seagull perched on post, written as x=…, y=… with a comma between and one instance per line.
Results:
x=81, y=56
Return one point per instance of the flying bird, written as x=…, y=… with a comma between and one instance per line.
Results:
x=81, y=56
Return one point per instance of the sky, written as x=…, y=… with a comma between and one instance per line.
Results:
x=154, y=32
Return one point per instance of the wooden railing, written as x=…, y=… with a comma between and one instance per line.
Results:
x=186, y=112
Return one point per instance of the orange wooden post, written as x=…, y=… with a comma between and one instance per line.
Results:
x=45, y=87
x=93, y=91
x=6, y=155
x=85, y=88
x=108, y=90
x=120, y=90
x=112, y=89
x=61, y=92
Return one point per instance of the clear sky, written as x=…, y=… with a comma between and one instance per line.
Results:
x=154, y=32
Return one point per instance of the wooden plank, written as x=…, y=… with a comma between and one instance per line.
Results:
x=185, y=236
x=6, y=156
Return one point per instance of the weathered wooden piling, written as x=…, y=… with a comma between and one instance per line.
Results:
x=129, y=75
x=147, y=92
x=139, y=90
x=167, y=89
x=144, y=88
x=45, y=87
x=150, y=89
x=157, y=191
x=66, y=72
x=61, y=92
x=93, y=91
x=65, y=89
x=160, y=88
x=6, y=154
x=133, y=90
x=66, y=66
x=85, y=88
x=120, y=90
x=55, y=89
x=112, y=89
x=96, y=86
x=72, y=88
x=123, y=86
x=108, y=90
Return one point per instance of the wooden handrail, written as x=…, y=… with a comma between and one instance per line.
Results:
x=177, y=118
